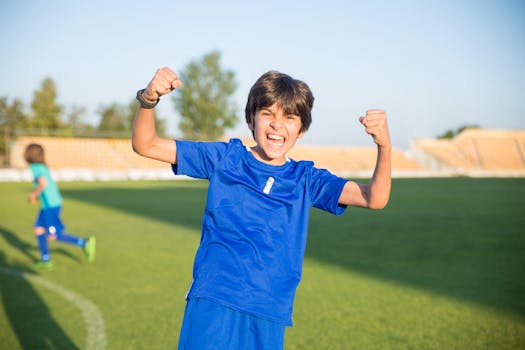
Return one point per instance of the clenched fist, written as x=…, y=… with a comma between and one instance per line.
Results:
x=376, y=126
x=164, y=81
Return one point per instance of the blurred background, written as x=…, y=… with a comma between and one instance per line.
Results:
x=436, y=67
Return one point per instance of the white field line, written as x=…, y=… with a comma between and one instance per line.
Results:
x=96, y=334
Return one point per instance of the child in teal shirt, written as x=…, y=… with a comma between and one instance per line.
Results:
x=48, y=224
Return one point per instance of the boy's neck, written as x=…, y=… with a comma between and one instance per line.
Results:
x=261, y=157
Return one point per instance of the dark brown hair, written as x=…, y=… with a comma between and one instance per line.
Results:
x=34, y=153
x=292, y=95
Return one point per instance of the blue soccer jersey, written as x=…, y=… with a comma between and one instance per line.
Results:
x=255, y=225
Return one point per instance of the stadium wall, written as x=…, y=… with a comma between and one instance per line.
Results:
x=475, y=153
x=88, y=159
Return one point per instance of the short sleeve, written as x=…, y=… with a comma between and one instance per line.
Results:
x=37, y=171
x=325, y=190
x=198, y=159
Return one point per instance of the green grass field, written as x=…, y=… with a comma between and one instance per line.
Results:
x=442, y=267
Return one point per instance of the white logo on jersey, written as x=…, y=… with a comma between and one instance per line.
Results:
x=269, y=184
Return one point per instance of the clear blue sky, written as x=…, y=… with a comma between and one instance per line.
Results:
x=432, y=65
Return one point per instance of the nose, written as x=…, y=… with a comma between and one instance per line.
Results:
x=277, y=122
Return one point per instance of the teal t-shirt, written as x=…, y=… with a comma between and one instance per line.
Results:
x=50, y=197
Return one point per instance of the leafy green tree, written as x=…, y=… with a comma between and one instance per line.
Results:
x=450, y=133
x=447, y=134
x=205, y=99
x=160, y=122
x=75, y=124
x=46, y=111
x=114, y=118
x=12, y=117
x=117, y=120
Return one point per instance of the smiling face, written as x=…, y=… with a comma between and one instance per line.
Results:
x=278, y=112
x=275, y=133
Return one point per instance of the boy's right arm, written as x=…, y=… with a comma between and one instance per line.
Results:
x=33, y=196
x=374, y=195
x=145, y=140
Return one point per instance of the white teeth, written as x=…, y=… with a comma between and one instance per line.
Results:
x=275, y=137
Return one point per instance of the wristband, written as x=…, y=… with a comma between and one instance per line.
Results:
x=143, y=102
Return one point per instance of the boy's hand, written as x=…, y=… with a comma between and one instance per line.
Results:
x=32, y=198
x=164, y=81
x=375, y=125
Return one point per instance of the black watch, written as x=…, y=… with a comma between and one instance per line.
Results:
x=143, y=102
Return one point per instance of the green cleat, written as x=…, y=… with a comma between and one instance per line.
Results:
x=43, y=265
x=90, y=248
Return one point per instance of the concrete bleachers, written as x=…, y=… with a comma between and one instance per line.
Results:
x=71, y=153
x=341, y=159
x=116, y=154
x=346, y=159
x=440, y=154
x=99, y=159
x=474, y=150
x=494, y=149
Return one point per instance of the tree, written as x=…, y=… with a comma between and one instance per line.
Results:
x=204, y=100
x=117, y=120
x=451, y=133
x=160, y=123
x=113, y=119
x=46, y=111
x=75, y=124
x=12, y=117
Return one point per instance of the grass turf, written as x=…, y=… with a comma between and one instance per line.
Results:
x=441, y=268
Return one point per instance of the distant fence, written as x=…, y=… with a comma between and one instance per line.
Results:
x=24, y=175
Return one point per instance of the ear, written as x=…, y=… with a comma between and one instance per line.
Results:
x=251, y=124
x=301, y=134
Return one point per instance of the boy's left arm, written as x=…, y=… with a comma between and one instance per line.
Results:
x=375, y=194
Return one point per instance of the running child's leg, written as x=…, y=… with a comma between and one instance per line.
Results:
x=45, y=262
x=88, y=245
x=56, y=229
x=43, y=247
x=68, y=238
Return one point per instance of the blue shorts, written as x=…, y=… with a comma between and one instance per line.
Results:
x=50, y=219
x=209, y=325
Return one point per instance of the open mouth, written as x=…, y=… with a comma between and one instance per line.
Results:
x=276, y=140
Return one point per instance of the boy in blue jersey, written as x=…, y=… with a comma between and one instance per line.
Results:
x=249, y=261
x=48, y=224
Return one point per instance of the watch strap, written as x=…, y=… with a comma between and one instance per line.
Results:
x=143, y=102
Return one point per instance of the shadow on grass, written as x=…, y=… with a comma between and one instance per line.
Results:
x=19, y=299
x=26, y=248
x=462, y=238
